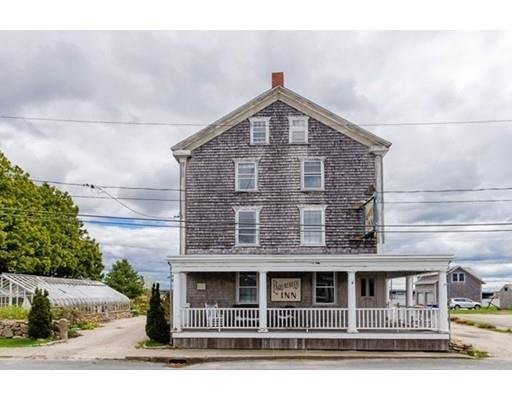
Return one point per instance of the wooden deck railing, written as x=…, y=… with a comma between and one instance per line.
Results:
x=311, y=318
x=307, y=318
x=397, y=318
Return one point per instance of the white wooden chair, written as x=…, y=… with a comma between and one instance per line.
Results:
x=214, y=317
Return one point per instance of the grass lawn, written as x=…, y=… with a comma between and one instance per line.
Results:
x=150, y=343
x=22, y=342
x=483, y=310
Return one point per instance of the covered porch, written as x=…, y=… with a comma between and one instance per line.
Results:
x=358, y=303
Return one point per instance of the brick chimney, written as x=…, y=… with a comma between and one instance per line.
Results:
x=277, y=79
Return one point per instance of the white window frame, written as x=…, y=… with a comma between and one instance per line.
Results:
x=292, y=118
x=246, y=161
x=267, y=130
x=322, y=174
x=257, y=210
x=238, y=288
x=335, y=289
x=312, y=208
x=459, y=274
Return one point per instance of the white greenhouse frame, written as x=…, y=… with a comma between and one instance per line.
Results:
x=83, y=294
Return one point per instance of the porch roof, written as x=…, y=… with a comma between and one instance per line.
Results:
x=305, y=263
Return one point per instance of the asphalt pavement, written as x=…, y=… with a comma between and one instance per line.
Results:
x=349, y=364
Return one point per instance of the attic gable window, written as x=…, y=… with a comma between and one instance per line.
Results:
x=260, y=130
x=458, y=277
x=298, y=129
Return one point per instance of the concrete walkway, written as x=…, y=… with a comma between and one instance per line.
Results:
x=497, y=344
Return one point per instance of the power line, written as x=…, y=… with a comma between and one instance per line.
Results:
x=121, y=203
x=273, y=201
x=89, y=185
x=178, y=189
x=157, y=123
x=209, y=224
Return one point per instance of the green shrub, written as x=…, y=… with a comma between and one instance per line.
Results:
x=86, y=325
x=73, y=315
x=140, y=304
x=13, y=312
x=40, y=316
x=157, y=327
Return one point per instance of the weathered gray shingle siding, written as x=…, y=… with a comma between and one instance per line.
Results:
x=349, y=171
x=470, y=288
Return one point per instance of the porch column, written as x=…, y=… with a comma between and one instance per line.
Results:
x=443, y=302
x=409, y=301
x=183, y=291
x=351, y=302
x=176, y=301
x=262, y=301
x=387, y=294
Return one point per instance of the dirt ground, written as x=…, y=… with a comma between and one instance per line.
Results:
x=499, y=320
x=497, y=344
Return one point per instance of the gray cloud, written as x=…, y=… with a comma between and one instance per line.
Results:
x=196, y=77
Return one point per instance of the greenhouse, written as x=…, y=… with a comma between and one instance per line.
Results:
x=84, y=294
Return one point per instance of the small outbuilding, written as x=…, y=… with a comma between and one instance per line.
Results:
x=505, y=296
x=83, y=294
x=461, y=281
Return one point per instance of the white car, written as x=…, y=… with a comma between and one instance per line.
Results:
x=462, y=302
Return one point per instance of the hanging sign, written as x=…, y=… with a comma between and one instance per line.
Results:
x=285, y=289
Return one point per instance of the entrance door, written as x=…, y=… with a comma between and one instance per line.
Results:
x=367, y=297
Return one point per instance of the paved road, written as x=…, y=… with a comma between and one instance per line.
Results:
x=497, y=344
x=113, y=340
x=410, y=364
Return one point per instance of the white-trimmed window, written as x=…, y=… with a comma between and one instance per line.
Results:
x=458, y=277
x=247, y=226
x=298, y=129
x=246, y=175
x=325, y=287
x=312, y=174
x=312, y=222
x=260, y=130
x=247, y=288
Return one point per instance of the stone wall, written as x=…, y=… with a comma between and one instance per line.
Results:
x=13, y=328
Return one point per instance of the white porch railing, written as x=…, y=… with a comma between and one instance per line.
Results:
x=398, y=318
x=220, y=318
x=307, y=318
x=311, y=318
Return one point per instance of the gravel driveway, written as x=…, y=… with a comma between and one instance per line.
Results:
x=112, y=340
x=499, y=320
x=497, y=344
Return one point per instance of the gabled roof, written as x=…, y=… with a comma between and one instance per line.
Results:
x=468, y=270
x=432, y=278
x=287, y=96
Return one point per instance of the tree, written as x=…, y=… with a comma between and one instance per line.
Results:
x=40, y=232
x=157, y=327
x=123, y=278
x=40, y=316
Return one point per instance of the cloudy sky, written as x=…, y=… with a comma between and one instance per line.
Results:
x=196, y=77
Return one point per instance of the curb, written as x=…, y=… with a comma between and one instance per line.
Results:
x=186, y=360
